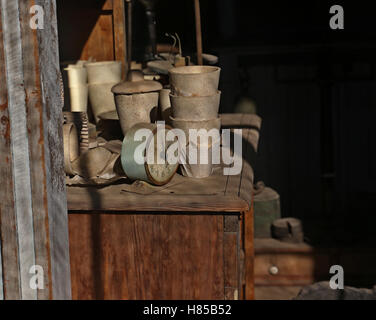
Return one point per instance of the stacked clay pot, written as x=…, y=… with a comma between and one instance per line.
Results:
x=194, y=105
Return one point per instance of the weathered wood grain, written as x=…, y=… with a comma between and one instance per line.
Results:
x=231, y=264
x=156, y=203
x=146, y=256
x=12, y=42
x=120, y=34
x=113, y=219
x=54, y=154
x=33, y=215
x=249, y=255
x=10, y=286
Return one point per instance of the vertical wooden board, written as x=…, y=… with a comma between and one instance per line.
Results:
x=12, y=40
x=54, y=152
x=120, y=34
x=249, y=255
x=82, y=247
x=231, y=267
x=147, y=256
x=35, y=129
x=10, y=286
x=35, y=196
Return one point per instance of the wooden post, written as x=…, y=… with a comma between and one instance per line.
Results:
x=198, y=32
x=120, y=35
x=249, y=255
x=33, y=208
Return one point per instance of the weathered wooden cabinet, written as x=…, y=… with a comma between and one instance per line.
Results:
x=156, y=256
x=190, y=239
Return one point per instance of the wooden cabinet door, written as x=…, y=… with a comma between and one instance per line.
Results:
x=152, y=256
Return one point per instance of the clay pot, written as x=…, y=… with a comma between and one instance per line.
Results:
x=103, y=72
x=136, y=102
x=101, y=98
x=136, y=108
x=199, y=170
x=195, y=108
x=194, y=80
x=185, y=125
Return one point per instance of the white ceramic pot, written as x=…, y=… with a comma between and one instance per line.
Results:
x=103, y=72
x=194, y=80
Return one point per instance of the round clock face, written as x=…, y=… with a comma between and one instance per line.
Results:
x=157, y=165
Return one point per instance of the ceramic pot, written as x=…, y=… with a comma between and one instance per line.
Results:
x=136, y=102
x=195, y=108
x=103, y=72
x=199, y=169
x=101, y=98
x=194, y=80
x=136, y=108
x=186, y=125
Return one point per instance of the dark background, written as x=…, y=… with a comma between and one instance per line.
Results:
x=313, y=87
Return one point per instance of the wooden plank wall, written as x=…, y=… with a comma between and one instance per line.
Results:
x=92, y=30
x=33, y=209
